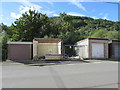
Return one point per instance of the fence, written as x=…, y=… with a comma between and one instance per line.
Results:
x=73, y=51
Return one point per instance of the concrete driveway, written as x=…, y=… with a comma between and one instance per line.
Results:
x=91, y=75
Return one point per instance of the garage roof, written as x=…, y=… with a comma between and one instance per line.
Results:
x=47, y=40
x=19, y=43
x=97, y=39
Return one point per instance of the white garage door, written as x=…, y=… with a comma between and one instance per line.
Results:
x=97, y=50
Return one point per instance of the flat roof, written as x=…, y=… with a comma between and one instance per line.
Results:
x=48, y=40
x=115, y=40
x=19, y=42
x=98, y=39
x=93, y=39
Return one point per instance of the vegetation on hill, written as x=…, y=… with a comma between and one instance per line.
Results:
x=71, y=29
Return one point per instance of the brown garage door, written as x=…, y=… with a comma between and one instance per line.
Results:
x=19, y=51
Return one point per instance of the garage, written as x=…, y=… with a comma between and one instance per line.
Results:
x=19, y=50
x=114, y=49
x=93, y=48
x=49, y=48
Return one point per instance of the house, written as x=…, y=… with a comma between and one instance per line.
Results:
x=114, y=49
x=19, y=50
x=49, y=48
x=92, y=48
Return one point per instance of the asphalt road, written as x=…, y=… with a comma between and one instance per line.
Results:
x=91, y=75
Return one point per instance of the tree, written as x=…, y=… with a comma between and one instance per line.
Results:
x=113, y=35
x=4, y=47
x=29, y=26
x=3, y=41
x=100, y=33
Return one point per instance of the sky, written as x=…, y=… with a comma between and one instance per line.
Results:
x=10, y=11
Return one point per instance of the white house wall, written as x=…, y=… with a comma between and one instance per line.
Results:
x=35, y=48
x=59, y=48
x=99, y=41
x=83, y=48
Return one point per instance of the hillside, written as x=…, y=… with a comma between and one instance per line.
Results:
x=84, y=27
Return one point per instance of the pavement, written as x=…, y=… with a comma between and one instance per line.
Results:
x=53, y=62
x=74, y=75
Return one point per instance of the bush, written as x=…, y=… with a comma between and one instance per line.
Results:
x=4, y=48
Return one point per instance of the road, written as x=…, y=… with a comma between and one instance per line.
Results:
x=91, y=75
